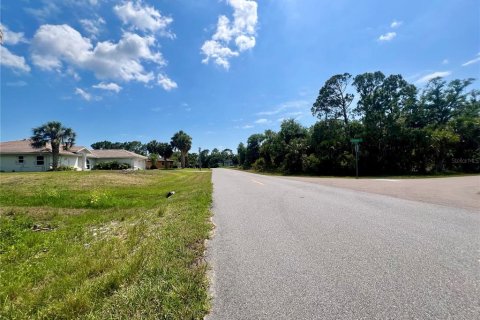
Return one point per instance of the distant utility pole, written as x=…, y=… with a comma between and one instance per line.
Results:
x=357, y=150
x=200, y=158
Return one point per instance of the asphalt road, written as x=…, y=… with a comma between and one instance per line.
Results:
x=285, y=249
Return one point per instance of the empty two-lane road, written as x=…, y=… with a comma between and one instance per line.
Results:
x=287, y=249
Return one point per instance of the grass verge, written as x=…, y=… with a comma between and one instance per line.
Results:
x=103, y=245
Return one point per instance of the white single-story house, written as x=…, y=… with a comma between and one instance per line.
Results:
x=21, y=156
x=136, y=161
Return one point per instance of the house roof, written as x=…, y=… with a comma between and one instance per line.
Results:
x=24, y=147
x=115, y=153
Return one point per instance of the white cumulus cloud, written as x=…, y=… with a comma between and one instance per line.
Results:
x=48, y=52
x=108, y=86
x=387, y=36
x=143, y=17
x=232, y=37
x=433, y=75
x=121, y=61
x=13, y=61
x=474, y=60
x=245, y=42
x=218, y=53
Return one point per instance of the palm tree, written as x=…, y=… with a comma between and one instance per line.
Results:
x=183, y=142
x=56, y=134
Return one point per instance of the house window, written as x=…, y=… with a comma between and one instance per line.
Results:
x=40, y=161
x=20, y=159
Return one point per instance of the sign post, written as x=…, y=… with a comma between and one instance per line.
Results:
x=357, y=150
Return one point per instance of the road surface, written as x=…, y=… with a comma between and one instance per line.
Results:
x=460, y=192
x=286, y=249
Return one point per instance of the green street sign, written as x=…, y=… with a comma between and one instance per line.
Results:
x=356, y=140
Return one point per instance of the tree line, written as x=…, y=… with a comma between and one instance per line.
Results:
x=180, y=143
x=216, y=158
x=172, y=151
x=405, y=129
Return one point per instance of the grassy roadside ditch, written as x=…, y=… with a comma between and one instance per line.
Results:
x=100, y=245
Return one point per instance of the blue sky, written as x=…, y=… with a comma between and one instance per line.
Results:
x=220, y=70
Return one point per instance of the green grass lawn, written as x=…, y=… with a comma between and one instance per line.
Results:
x=103, y=245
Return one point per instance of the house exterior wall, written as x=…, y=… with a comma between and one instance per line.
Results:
x=139, y=164
x=70, y=162
x=10, y=162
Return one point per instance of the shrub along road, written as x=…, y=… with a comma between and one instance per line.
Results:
x=287, y=249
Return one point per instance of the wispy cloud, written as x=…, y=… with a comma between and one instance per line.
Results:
x=82, y=93
x=294, y=104
x=294, y=114
x=93, y=26
x=396, y=24
x=387, y=36
x=166, y=83
x=108, y=86
x=47, y=9
x=247, y=126
x=433, y=75
x=445, y=61
x=262, y=121
x=19, y=83
x=474, y=60
x=12, y=38
x=11, y=60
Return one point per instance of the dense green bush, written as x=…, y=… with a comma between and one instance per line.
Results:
x=259, y=165
x=64, y=168
x=311, y=164
x=111, y=165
